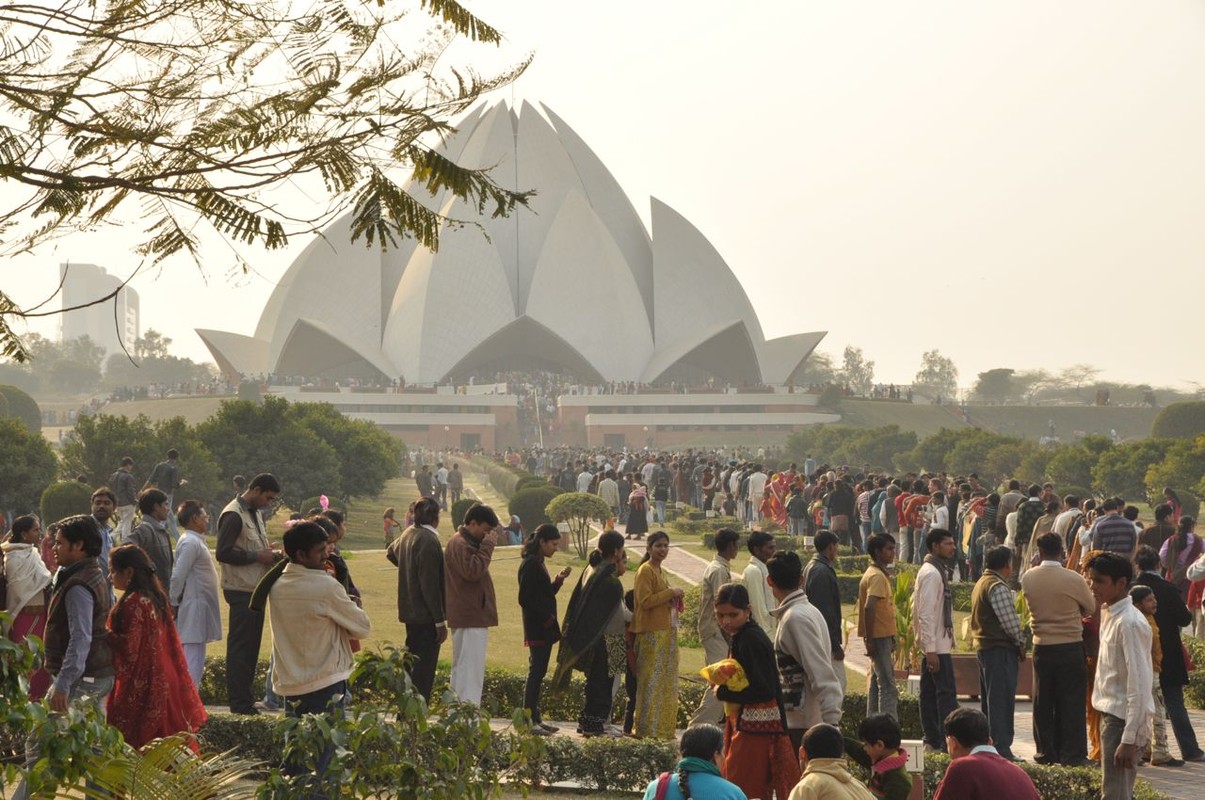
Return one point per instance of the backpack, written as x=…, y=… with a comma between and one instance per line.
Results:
x=661, y=488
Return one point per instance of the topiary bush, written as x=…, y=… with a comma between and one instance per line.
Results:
x=23, y=407
x=529, y=505
x=1177, y=421
x=528, y=481
x=307, y=504
x=65, y=499
x=459, y=508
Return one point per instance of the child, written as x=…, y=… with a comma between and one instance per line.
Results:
x=1144, y=600
x=825, y=776
x=878, y=749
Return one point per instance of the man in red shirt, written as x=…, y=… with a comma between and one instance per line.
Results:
x=977, y=771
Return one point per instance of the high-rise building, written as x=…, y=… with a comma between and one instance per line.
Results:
x=85, y=283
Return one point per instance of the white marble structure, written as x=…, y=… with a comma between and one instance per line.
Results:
x=575, y=283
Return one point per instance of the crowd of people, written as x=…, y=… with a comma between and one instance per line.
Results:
x=1106, y=598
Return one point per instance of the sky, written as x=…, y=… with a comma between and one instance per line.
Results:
x=1016, y=184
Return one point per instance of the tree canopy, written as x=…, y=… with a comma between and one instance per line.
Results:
x=192, y=116
x=937, y=375
x=27, y=464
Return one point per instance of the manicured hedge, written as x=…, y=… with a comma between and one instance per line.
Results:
x=529, y=504
x=629, y=764
x=503, y=477
x=459, y=509
x=502, y=693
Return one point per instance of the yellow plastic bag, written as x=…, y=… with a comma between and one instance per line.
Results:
x=726, y=672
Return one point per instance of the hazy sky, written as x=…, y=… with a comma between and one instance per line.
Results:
x=1015, y=183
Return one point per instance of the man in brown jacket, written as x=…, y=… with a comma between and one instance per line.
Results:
x=420, y=592
x=472, y=607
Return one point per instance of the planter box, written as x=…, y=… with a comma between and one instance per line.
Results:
x=966, y=676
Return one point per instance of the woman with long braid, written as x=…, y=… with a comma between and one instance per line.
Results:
x=697, y=774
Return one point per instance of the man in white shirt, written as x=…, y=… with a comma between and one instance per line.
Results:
x=608, y=492
x=584, y=478
x=933, y=621
x=1124, y=675
x=757, y=487
x=762, y=548
x=441, y=485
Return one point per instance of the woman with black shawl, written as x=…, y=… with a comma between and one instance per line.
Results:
x=596, y=598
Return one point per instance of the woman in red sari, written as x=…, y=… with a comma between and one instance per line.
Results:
x=154, y=696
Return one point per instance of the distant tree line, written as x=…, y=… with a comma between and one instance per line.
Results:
x=79, y=366
x=1094, y=465
x=311, y=447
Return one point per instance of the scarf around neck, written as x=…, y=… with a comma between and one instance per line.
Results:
x=693, y=764
x=947, y=604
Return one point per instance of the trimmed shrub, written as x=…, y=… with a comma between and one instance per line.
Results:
x=307, y=504
x=1177, y=421
x=23, y=407
x=529, y=481
x=503, y=477
x=529, y=505
x=458, y=510
x=64, y=499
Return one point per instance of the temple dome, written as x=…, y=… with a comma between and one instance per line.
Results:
x=574, y=283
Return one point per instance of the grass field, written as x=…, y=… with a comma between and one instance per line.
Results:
x=923, y=418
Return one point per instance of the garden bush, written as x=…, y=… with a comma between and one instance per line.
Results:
x=23, y=407
x=503, y=477
x=1194, y=692
x=529, y=505
x=528, y=481
x=65, y=498
x=458, y=510
x=309, y=504
x=612, y=765
x=1177, y=421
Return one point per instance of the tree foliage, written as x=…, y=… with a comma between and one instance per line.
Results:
x=856, y=370
x=937, y=375
x=99, y=442
x=194, y=116
x=153, y=363
x=369, y=456
x=27, y=464
x=1121, y=470
x=995, y=385
x=248, y=438
x=1183, y=470
x=1180, y=421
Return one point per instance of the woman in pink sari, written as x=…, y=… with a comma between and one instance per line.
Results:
x=28, y=580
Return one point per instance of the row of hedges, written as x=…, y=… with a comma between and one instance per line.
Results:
x=502, y=693
x=628, y=764
x=503, y=477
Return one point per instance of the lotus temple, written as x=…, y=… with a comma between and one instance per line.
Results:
x=575, y=285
